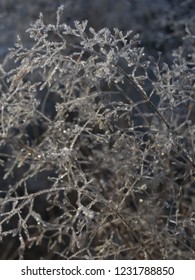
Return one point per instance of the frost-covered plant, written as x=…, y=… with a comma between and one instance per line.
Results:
x=97, y=147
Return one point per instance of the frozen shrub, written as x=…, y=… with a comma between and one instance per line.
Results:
x=97, y=147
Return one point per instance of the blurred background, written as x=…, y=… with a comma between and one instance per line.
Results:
x=160, y=23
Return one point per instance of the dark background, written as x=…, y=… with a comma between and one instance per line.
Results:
x=160, y=23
